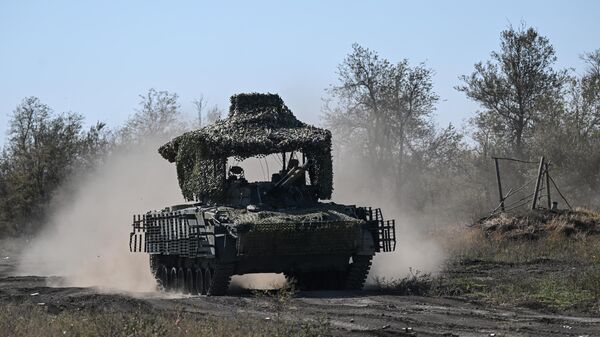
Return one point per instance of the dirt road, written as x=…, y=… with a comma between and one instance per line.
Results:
x=349, y=313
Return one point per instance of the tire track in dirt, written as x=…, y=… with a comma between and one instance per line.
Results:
x=349, y=313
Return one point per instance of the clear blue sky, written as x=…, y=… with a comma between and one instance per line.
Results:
x=96, y=57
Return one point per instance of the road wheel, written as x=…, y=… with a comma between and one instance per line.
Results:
x=162, y=277
x=199, y=281
x=172, y=283
x=180, y=281
x=189, y=281
x=207, y=281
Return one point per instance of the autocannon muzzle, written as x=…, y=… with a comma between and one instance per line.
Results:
x=292, y=175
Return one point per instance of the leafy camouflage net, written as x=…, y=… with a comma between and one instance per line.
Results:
x=324, y=213
x=319, y=230
x=257, y=125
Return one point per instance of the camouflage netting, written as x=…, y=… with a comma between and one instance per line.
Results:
x=324, y=213
x=319, y=230
x=257, y=125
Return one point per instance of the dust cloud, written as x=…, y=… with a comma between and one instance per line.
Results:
x=416, y=250
x=86, y=241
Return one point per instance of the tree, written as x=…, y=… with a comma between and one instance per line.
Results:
x=590, y=89
x=43, y=149
x=571, y=137
x=381, y=116
x=516, y=87
x=96, y=143
x=199, y=106
x=384, y=110
x=213, y=114
x=159, y=117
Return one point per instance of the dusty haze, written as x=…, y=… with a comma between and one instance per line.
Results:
x=415, y=248
x=87, y=237
x=86, y=240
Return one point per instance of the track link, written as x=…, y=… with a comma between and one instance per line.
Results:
x=358, y=271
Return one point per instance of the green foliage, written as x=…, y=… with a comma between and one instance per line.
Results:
x=42, y=151
x=516, y=87
x=531, y=109
x=556, y=272
x=381, y=114
x=159, y=117
x=382, y=111
x=570, y=135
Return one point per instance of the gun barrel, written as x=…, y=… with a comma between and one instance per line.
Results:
x=293, y=175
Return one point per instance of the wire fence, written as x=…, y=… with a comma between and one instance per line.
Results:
x=532, y=193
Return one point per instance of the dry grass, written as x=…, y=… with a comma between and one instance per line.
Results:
x=416, y=283
x=567, y=236
x=537, y=224
x=541, y=260
x=33, y=321
x=557, y=269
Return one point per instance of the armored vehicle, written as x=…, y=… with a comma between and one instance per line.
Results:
x=233, y=226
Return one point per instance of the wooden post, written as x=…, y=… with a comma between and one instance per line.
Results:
x=500, y=194
x=537, y=183
x=548, y=186
x=283, y=156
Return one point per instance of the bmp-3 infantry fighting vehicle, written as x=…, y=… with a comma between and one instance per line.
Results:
x=234, y=226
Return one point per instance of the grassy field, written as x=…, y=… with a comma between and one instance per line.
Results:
x=558, y=271
x=557, y=274
x=33, y=321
